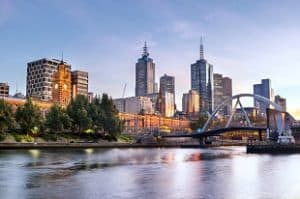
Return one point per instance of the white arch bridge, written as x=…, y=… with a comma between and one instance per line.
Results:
x=205, y=132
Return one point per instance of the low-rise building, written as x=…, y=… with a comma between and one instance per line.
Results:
x=134, y=105
x=80, y=82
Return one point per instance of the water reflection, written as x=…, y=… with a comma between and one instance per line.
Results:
x=147, y=173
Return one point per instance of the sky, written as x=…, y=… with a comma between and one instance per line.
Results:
x=245, y=40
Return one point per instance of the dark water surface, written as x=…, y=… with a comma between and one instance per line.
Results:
x=148, y=173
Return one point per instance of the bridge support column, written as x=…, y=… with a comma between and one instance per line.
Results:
x=201, y=141
x=260, y=135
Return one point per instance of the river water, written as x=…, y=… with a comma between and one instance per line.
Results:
x=226, y=172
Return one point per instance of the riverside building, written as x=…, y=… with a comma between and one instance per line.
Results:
x=40, y=76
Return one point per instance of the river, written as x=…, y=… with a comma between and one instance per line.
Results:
x=225, y=172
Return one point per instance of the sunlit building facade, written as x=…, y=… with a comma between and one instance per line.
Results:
x=61, y=91
x=190, y=103
x=39, y=78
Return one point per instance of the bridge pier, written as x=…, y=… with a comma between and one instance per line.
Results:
x=260, y=135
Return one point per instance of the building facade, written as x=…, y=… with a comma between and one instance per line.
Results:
x=281, y=101
x=62, y=91
x=190, y=103
x=80, y=83
x=263, y=89
x=167, y=84
x=144, y=74
x=167, y=105
x=4, y=90
x=222, y=92
x=202, y=81
x=39, y=78
x=134, y=105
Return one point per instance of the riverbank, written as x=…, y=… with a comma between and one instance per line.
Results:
x=273, y=148
x=105, y=145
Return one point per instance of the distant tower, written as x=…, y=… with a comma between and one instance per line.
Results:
x=61, y=87
x=202, y=81
x=201, y=49
x=144, y=74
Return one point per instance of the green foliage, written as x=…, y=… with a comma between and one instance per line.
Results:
x=96, y=114
x=28, y=117
x=57, y=120
x=199, y=123
x=22, y=138
x=124, y=138
x=78, y=112
x=7, y=120
x=110, y=120
x=49, y=136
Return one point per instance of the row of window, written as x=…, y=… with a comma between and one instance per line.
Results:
x=32, y=90
x=39, y=81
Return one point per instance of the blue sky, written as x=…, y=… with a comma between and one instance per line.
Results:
x=245, y=40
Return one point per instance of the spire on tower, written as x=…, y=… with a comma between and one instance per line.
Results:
x=201, y=49
x=145, y=49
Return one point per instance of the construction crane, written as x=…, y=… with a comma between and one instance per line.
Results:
x=124, y=89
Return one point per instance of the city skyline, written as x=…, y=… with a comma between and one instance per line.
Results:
x=269, y=45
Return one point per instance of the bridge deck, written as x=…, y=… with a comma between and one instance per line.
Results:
x=216, y=132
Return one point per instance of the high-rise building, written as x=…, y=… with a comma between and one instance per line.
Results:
x=263, y=89
x=144, y=74
x=80, y=82
x=190, y=102
x=39, y=78
x=61, y=91
x=218, y=91
x=202, y=81
x=4, y=90
x=167, y=84
x=222, y=92
x=281, y=101
x=227, y=93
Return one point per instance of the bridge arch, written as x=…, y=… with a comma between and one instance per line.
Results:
x=229, y=100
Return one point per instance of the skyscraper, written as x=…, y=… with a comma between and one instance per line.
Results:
x=222, y=92
x=39, y=78
x=227, y=93
x=144, y=74
x=167, y=84
x=263, y=89
x=201, y=81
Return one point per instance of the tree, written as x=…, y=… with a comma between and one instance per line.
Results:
x=28, y=117
x=96, y=114
x=78, y=112
x=200, y=122
x=111, y=122
x=7, y=120
x=57, y=120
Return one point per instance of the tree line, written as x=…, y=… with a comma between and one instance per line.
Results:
x=80, y=118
